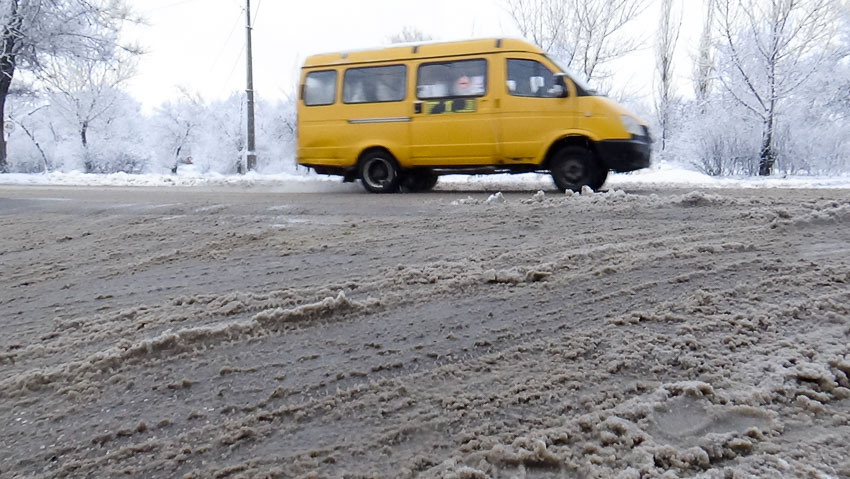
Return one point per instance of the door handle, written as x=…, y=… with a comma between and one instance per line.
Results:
x=417, y=107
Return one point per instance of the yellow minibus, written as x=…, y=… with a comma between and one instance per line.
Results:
x=399, y=117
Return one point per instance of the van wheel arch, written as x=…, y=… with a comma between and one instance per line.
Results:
x=574, y=140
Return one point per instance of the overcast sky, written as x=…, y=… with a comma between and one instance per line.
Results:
x=199, y=44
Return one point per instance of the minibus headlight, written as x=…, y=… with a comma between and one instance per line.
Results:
x=631, y=125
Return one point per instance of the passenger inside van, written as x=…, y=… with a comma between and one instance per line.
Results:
x=373, y=84
x=530, y=78
x=385, y=92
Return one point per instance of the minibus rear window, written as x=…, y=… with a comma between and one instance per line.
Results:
x=374, y=84
x=320, y=88
x=452, y=79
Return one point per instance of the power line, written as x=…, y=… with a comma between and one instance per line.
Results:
x=257, y=12
x=227, y=41
x=232, y=69
x=171, y=5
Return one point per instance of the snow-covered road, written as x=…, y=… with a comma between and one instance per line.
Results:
x=241, y=331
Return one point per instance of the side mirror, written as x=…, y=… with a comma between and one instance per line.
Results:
x=559, y=90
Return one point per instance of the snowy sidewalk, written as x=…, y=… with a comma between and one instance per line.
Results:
x=662, y=175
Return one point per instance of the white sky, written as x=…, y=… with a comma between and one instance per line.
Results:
x=199, y=44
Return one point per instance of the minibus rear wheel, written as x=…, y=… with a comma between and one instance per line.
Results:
x=379, y=172
x=418, y=180
x=573, y=167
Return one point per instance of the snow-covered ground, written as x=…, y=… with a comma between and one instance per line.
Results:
x=218, y=331
x=660, y=175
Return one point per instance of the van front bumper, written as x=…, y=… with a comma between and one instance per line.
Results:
x=625, y=155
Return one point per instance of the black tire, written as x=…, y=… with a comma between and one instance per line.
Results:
x=379, y=172
x=600, y=179
x=418, y=180
x=573, y=167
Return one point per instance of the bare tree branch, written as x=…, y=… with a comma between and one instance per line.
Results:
x=585, y=34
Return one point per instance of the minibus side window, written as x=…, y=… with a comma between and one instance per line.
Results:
x=531, y=78
x=320, y=88
x=374, y=84
x=452, y=79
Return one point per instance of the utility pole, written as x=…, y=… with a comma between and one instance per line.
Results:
x=251, y=157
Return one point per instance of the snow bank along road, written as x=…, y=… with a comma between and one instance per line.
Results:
x=246, y=333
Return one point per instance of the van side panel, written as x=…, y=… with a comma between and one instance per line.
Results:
x=335, y=135
x=314, y=145
x=375, y=124
x=530, y=121
x=454, y=123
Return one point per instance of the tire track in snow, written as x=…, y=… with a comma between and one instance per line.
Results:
x=548, y=384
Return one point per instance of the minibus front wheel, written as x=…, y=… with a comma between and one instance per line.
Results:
x=573, y=167
x=379, y=172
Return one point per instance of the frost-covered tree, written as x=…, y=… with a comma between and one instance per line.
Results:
x=32, y=31
x=211, y=135
x=769, y=50
x=584, y=34
x=783, y=77
x=544, y=22
x=704, y=68
x=118, y=141
x=47, y=135
x=720, y=138
x=410, y=34
x=665, y=47
x=812, y=134
x=29, y=117
x=87, y=93
x=277, y=129
x=174, y=128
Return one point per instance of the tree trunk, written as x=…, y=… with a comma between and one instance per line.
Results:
x=9, y=44
x=7, y=69
x=88, y=164
x=767, y=156
x=4, y=166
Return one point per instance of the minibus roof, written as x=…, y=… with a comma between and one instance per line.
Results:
x=412, y=51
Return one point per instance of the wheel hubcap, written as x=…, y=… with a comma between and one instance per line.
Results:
x=573, y=171
x=378, y=173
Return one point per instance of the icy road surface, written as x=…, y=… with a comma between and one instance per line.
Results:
x=244, y=332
